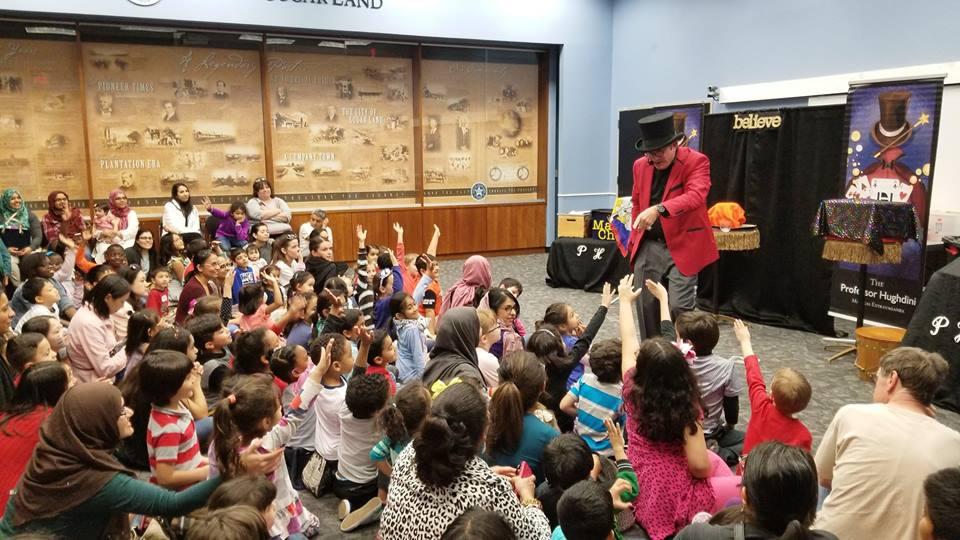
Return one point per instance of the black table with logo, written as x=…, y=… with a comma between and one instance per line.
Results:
x=585, y=263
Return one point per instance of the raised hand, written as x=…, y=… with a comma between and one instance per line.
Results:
x=616, y=437
x=606, y=297
x=325, y=357
x=398, y=228
x=656, y=289
x=205, y=201
x=741, y=331
x=626, y=290
x=366, y=336
x=361, y=233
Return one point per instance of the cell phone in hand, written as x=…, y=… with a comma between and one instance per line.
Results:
x=524, y=470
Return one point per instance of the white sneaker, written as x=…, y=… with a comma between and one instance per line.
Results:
x=343, y=509
x=364, y=515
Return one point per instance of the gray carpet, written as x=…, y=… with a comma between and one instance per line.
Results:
x=834, y=384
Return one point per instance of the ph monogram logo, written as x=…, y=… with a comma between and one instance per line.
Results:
x=937, y=323
x=598, y=253
x=581, y=249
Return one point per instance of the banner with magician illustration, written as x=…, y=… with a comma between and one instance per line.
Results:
x=892, y=140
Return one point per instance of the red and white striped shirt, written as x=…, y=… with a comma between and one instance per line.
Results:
x=172, y=439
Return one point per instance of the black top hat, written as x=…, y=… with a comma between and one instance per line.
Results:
x=657, y=131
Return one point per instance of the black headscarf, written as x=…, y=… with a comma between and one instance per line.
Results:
x=455, y=352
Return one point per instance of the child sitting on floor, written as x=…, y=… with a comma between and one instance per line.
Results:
x=568, y=460
x=720, y=383
x=597, y=396
x=383, y=353
x=255, y=311
x=772, y=413
x=212, y=340
x=158, y=299
x=411, y=339
x=253, y=255
x=399, y=423
x=327, y=408
x=166, y=379
x=251, y=409
x=42, y=297
x=253, y=491
x=587, y=511
x=355, y=482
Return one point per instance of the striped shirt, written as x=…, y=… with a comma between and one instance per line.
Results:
x=386, y=450
x=172, y=439
x=595, y=402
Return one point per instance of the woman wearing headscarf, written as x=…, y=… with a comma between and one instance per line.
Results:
x=129, y=223
x=454, y=354
x=7, y=373
x=472, y=285
x=179, y=214
x=21, y=230
x=74, y=487
x=61, y=221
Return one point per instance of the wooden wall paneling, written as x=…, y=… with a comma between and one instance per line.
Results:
x=344, y=236
x=462, y=229
x=471, y=229
x=416, y=235
x=446, y=220
x=519, y=226
x=378, y=226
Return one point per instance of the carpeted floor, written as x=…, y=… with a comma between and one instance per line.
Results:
x=834, y=385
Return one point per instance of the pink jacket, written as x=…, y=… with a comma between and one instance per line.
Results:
x=90, y=342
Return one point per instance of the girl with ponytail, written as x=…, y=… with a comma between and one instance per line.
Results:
x=440, y=474
x=249, y=411
x=399, y=423
x=779, y=499
x=519, y=426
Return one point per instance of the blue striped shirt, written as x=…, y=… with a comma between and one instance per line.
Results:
x=595, y=402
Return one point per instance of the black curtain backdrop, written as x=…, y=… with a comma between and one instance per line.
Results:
x=779, y=176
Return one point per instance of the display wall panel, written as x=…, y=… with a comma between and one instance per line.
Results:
x=158, y=115
x=41, y=124
x=342, y=126
x=480, y=125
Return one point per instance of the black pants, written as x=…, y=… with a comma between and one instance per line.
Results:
x=296, y=459
x=730, y=442
x=357, y=494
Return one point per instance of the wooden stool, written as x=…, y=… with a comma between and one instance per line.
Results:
x=872, y=343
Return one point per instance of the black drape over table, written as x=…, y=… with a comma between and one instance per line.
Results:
x=779, y=176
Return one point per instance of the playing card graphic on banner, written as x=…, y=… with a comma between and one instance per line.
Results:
x=892, y=140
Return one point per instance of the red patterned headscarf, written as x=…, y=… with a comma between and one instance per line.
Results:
x=54, y=223
x=119, y=212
